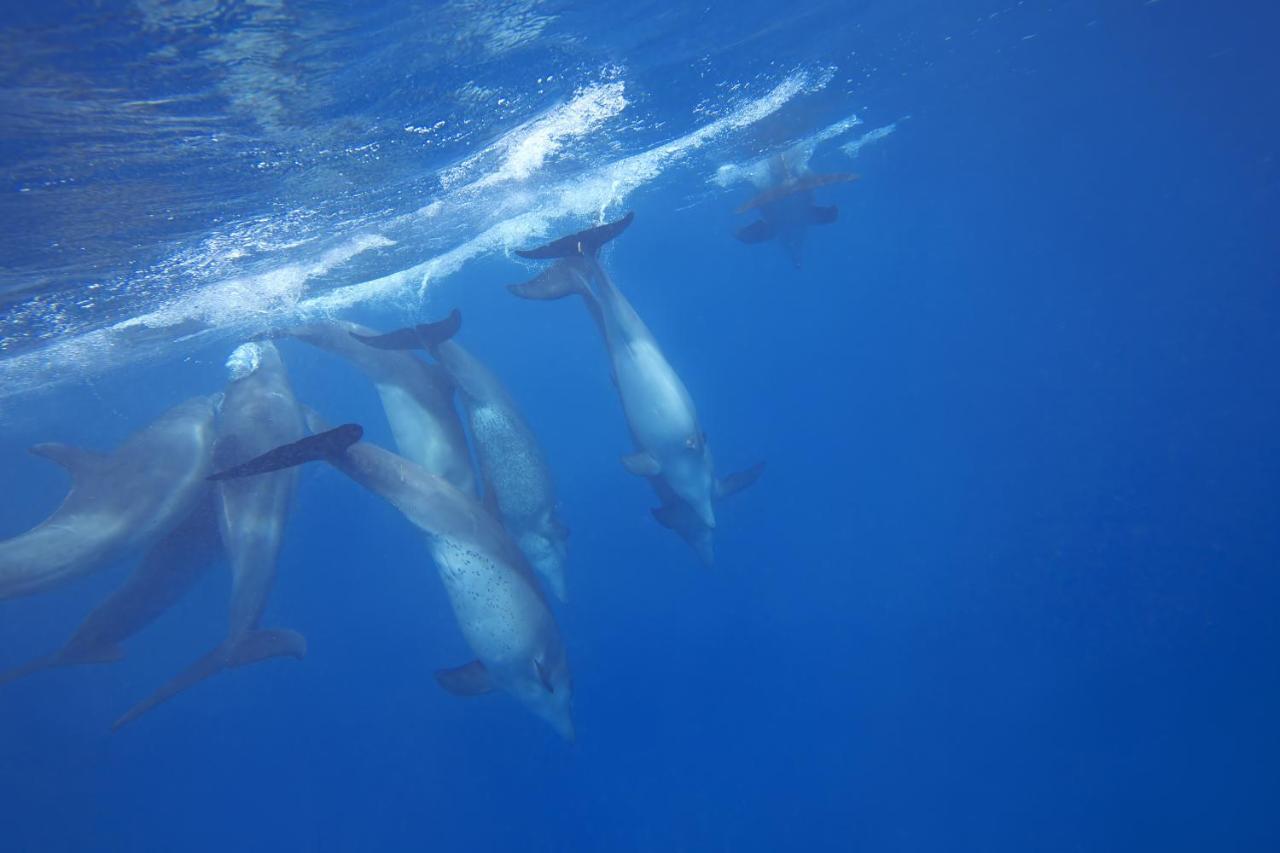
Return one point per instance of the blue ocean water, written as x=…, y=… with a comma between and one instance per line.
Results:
x=1008, y=580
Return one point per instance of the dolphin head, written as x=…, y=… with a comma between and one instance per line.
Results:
x=546, y=688
x=690, y=475
x=547, y=550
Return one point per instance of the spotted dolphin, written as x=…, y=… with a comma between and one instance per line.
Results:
x=416, y=396
x=118, y=503
x=498, y=603
x=661, y=416
x=517, y=480
x=258, y=413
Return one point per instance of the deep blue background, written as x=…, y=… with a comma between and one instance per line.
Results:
x=1009, y=581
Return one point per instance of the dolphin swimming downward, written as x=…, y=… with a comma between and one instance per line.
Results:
x=118, y=503
x=258, y=413
x=787, y=210
x=517, y=480
x=497, y=601
x=670, y=443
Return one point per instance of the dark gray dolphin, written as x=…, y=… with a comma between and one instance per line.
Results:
x=517, y=479
x=661, y=416
x=118, y=503
x=258, y=414
x=787, y=210
x=164, y=575
x=417, y=398
x=674, y=514
x=497, y=601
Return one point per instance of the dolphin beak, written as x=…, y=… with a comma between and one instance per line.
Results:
x=706, y=513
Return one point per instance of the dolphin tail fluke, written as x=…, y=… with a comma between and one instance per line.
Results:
x=823, y=215
x=584, y=243
x=267, y=643
x=400, y=339
x=423, y=336
x=329, y=444
x=561, y=279
x=470, y=679
x=759, y=231
x=739, y=480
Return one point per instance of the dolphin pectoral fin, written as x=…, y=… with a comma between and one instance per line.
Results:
x=470, y=679
x=37, y=665
x=759, y=231
x=739, y=480
x=642, y=464
x=664, y=515
x=325, y=445
x=78, y=463
x=586, y=243
x=266, y=643
x=823, y=215
x=109, y=653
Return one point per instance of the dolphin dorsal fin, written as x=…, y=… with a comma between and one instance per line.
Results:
x=77, y=461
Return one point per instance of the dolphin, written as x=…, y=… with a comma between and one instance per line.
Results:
x=165, y=574
x=258, y=413
x=674, y=514
x=663, y=421
x=787, y=209
x=417, y=398
x=118, y=503
x=496, y=600
x=517, y=480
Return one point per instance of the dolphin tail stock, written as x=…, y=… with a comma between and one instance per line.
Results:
x=584, y=243
x=255, y=646
x=321, y=446
x=739, y=480
x=426, y=336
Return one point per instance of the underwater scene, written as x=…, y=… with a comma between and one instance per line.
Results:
x=577, y=426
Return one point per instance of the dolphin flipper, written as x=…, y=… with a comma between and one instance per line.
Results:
x=739, y=480
x=470, y=679
x=325, y=445
x=255, y=646
x=642, y=464
x=423, y=336
x=759, y=231
x=586, y=243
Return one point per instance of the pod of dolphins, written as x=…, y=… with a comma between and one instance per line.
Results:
x=214, y=478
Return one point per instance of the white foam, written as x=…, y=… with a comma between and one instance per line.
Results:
x=854, y=146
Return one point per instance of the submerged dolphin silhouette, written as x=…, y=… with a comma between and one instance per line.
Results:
x=787, y=210
x=517, y=480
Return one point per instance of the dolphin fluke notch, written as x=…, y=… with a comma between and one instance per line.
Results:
x=584, y=243
x=252, y=647
x=423, y=336
x=326, y=445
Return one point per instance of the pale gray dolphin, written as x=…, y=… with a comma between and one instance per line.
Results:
x=417, y=398
x=497, y=601
x=517, y=480
x=787, y=210
x=164, y=575
x=670, y=443
x=258, y=413
x=118, y=503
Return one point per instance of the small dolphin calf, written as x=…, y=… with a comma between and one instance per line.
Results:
x=168, y=571
x=787, y=210
x=496, y=599
x=117, y=503
x=258, y=413
x=517, y=480
x=417, y=398
x=660, y=413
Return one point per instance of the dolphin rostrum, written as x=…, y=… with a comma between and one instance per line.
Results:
x=670, y=443
x=118, y=503
x=497, y=601
x=787, y=209
x=258, y=413
x=164, y=575
x=417, y=398
x=517, y=480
